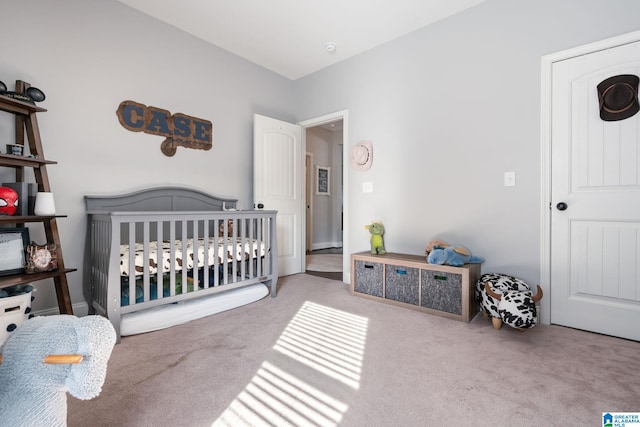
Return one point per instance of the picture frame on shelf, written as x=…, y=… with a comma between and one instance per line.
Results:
x=323, y=175
x=12, y=250
x=41, y=258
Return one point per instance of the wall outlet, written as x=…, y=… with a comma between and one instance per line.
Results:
x=367, y=187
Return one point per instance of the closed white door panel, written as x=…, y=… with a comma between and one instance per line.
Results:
x=595, y=172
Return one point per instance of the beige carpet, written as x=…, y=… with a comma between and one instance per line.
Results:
x=317, y=356
x=324, y=262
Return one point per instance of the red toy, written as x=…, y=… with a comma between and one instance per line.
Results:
x=8, y=201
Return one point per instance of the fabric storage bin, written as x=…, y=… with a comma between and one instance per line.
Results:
x=14, y=310
x=442, y=291
x=401, y=283
x=368, y=278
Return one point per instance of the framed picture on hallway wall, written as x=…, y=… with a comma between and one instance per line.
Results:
x=322, y=180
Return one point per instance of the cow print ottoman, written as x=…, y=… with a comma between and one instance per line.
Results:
x=498, y=283
x=507, y=299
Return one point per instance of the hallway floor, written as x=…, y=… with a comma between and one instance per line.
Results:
x=333, y=275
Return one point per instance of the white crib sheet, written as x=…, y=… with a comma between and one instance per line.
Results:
x=238, y=250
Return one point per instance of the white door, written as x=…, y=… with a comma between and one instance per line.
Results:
x=595, y=172
x=278, y=184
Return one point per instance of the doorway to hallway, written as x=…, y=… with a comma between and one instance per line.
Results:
x=334, y=236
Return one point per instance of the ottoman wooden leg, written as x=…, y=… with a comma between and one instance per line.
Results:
x=497, y=322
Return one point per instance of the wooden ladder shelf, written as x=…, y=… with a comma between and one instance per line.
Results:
x=27, y=125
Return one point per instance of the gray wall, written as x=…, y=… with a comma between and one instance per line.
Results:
x=90, y=55
x=449, y=109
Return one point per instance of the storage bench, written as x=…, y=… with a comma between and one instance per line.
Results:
x=409, y=281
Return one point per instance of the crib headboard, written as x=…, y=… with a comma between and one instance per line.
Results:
x=159, y=199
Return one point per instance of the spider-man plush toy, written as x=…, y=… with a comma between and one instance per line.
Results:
x=8, y=201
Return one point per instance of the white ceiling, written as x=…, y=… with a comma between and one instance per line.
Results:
x=289, y=36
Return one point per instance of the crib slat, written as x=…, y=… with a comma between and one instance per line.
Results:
x=243, y=243
x=132, y=264
x=259, y=239
x=216, y=257
x=237, y=251
x=172, y=256
x=146, y=282
x=159, y=257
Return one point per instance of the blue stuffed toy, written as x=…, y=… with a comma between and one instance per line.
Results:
x=46, y=357
x=455, y=255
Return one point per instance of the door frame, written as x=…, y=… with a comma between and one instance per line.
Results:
x=317, y=121
x=308, y=200
x=546, y=121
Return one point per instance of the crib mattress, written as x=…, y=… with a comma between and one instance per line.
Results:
x=162, y=317
x=229, y=249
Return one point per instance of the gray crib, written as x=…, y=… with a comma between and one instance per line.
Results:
x=167, y=245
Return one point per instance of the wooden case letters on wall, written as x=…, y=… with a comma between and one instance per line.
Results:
x=178, y=129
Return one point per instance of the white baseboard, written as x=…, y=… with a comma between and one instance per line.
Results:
x=325, y=245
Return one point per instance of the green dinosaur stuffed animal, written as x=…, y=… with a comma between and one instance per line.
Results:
x=377, y=244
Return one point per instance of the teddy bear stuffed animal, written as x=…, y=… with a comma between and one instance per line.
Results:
x=229, y=228
x=435, y=244
x=46, y=357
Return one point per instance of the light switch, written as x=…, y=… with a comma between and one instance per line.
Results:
x=367, y=187
x=510, y=179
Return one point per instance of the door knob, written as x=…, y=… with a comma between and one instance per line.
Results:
x=561, y=206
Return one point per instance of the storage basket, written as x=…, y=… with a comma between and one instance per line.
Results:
x=13, y=311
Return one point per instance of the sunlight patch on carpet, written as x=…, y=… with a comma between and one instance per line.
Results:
x=326, y=340
x=274, y=397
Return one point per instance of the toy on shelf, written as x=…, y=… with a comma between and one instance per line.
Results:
x=376, y=229
x=8, y=201
x=31, y=95
x=440, y=252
